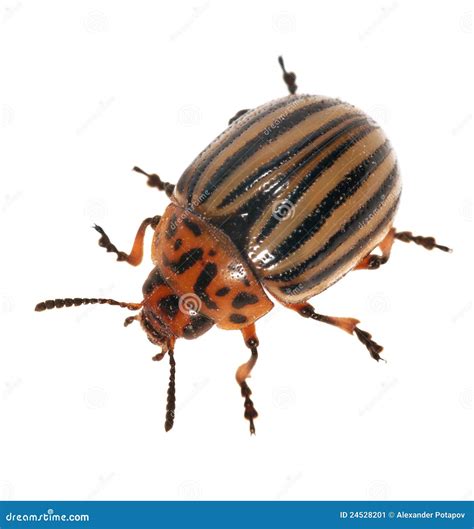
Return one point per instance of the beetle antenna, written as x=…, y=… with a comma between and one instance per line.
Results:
x=171, y=401
x=76, y=302
x=288, y=77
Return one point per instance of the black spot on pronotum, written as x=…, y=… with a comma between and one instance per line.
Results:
x=222, y=291
x=204, y=279
x=212, y=253
x=237, y=318
x=171, y=227
x=177, y=244
x=246, y=282
x=185, y=262
x=242, y=299
x=192, y=226
x=169, y=305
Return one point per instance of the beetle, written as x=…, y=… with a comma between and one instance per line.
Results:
x=291, y=197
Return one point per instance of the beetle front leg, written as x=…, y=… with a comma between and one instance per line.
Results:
x=251, y=341
x=346, y=324
x=155, y=181
x=136, y=255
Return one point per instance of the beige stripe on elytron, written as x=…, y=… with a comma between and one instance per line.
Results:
x=318, y=190
x=274, y=149
x=339, y=217
x=340, y=252
x=256, y=129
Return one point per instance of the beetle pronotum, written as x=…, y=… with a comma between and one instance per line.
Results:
x=287, y=200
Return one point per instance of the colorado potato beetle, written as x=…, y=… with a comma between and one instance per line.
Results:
x=287, y=200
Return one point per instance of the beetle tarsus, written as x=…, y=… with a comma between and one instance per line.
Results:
x=155, y=181
x=373, y=347
x=104, y=242
x=346, y=324
x=288, y=77
x=427, y=242
x=136, y=255
x=251, y=341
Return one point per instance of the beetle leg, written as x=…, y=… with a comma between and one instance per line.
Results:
x=251, y=341
x=346, y=324
x=136, y=255
x=374, y=261
x=171, y=399
x=155, y=181
x=238, y=114
x=427, y=242
x=288, y=77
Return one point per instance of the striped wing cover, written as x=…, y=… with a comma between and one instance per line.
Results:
x=305, y=186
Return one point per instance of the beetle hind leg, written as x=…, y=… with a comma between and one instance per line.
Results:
x=251, y=341
x=136, y=255
x=346, y=324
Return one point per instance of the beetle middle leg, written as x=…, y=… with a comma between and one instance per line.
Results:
x=346, y=324
x=374, y=261
x=136, y=255
x=155, y=181
x=251, y=341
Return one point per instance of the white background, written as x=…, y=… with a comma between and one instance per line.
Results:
x=88, y=90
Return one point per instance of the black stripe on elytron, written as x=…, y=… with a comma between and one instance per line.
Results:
x=371, y=207
x=204, y=279
x=185, y=262
x=289, y=153
x=239, y=222
x=343, y=191
x=258, y=142
x=298, y=288
x=313, y=175
x=239, y=130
